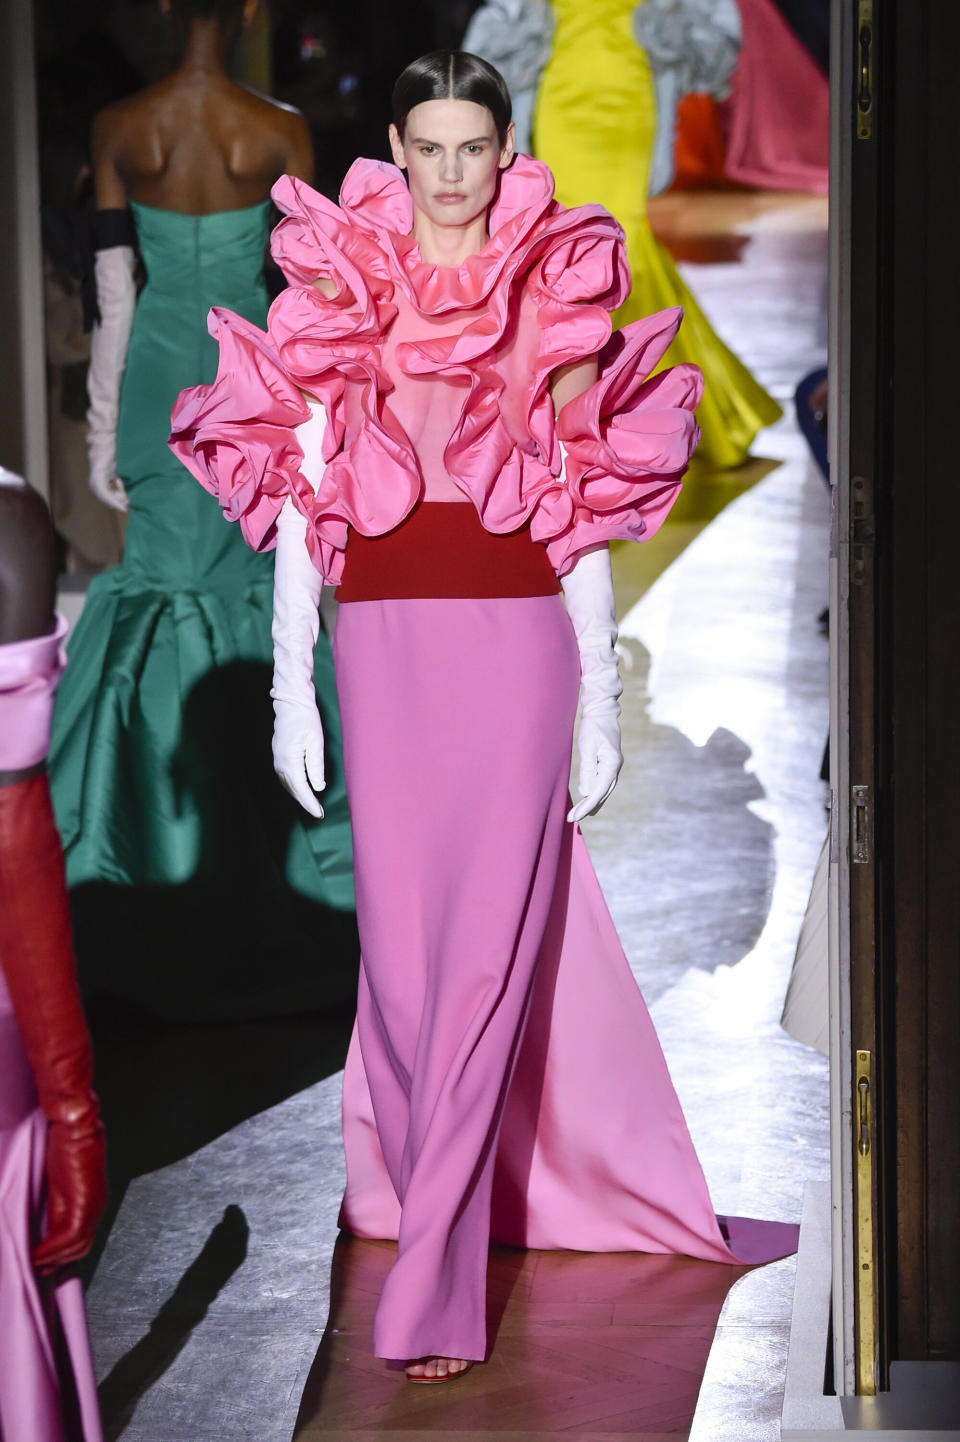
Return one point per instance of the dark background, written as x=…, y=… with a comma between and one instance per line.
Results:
x=336, y=61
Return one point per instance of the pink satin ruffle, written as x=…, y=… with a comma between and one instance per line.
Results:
x=547, y=271
x=236, y=435
x=29, y=672
x=629, y=439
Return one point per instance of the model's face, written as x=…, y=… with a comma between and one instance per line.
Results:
x=451, y=154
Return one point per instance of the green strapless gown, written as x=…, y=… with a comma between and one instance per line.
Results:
x=200, y=889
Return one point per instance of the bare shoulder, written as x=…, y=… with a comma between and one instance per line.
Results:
x=27, y=564
x=274, y=112
x=287, y=129
x=127, y=121
x=120, y=132
x=108, y=126
x=112, y=125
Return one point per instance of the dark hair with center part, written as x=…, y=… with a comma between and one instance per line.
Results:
x=452, y=75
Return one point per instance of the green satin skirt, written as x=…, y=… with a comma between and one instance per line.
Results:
x=200, y=889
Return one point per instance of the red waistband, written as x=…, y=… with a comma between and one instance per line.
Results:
x=442, y=550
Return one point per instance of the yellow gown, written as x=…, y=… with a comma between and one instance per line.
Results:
x=594, y=125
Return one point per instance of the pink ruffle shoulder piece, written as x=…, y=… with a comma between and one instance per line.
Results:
x=629, y=440
x=371, y=480
x=317, y=240
x=236, y=435
x=29, y=672
x=579, y=275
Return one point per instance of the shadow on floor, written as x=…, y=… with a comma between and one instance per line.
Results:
x=613, y=1342
x=679, y=845
x=166, y=1091
x=216, y=996
x=169, y=1089
x=135, y=1373
x=200, y=890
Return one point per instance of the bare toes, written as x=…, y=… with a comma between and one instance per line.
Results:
x=437, y=1367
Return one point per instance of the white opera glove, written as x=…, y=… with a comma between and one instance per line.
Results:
x=116, y=300
x=297, y=584
x=588, y=591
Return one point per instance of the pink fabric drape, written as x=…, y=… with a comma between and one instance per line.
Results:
x=777, y=119
x=43, y=1327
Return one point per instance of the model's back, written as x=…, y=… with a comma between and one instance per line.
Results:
x=198, y=142
x=194, y=157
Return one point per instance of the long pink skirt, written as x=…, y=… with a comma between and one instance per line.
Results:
x=47, y=1387
x=504, y=1078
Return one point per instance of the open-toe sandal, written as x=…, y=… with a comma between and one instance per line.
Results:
x=433, y=1381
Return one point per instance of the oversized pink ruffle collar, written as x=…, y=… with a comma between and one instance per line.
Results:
x=375, y=196
x=373, y=223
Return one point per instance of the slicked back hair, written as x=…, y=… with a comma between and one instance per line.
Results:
x=452, y=75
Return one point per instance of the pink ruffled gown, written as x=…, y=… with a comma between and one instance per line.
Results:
x=47, y=1387
x=504, y=1078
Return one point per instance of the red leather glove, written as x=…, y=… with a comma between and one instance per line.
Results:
x=36, y=952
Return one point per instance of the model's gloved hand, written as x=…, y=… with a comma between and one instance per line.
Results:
x=297, y=728
x=116, y=299
x=36, y=951
x=588, y=591
x=76, y=1190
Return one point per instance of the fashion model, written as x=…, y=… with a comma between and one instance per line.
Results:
x=595, y=125
x=52, y=1168
x=438, y=420
x=155, y=722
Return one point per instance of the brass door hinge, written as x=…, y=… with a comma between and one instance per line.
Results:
x=861, y=826
x=863, y=1112
x=862, y=530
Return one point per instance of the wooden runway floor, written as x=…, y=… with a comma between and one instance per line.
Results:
x=601, y=1347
